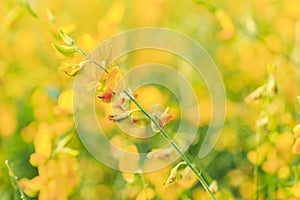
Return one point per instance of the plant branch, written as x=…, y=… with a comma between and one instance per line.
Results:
x=176, y=147
x=91, y=59
x=164, y=134
x=14, y=178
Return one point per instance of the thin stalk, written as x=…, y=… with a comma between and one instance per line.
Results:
x=144, y=185
x=257, y=141
x=15, y=179
x=203, y=171
x=91, y=59
x=176, y=147
x=164, y=134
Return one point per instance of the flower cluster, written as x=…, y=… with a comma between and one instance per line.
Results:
x=57, y=169
x=296, y=130
x=296, y=147
x=120, y=100
x=272, y=153
x=106, y=86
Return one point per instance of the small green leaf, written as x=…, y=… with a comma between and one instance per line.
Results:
x=65, y=141
x=70, y=151
x=74, y=69
x=50, y=16
x=67, y=39
x=15, y=181
x=27, y=6
x=65, y=50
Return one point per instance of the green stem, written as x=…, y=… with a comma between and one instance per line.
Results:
x=15, y=180
x=203, y=171
x=164, y=134
x=91, y=59
x=176, y=147
x=144, y=185
x=257, y=141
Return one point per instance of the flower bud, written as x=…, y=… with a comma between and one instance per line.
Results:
x=67, y=51
x=213, y=187
x=120, y=117
x=161, y=116
x=160, y=154
x=67, y=39
x=174, y=176
x=257, y=94
x=107, y=96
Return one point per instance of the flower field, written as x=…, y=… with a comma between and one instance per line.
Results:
x=150, y=100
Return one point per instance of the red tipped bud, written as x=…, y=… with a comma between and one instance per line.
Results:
x=107, y=96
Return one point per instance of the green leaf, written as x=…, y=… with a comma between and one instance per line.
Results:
x=74, y=69
x=50, y=16
x=67, y=39
x=27, y=6
x=65, y=50
x=70, y=151
x=14, y=181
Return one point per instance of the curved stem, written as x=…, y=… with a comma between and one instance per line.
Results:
x=144, y=185
x=176, y=147
x=164, y=134
x=257, y=141
x=91, y=59
x=15, y=179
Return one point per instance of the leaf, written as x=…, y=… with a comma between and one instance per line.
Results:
x=27, y=6
x=74, y=69
x=50, y=16
x=66, y=38
x=71, y=70
x=67, y=51
x=62, y=143
x=71, y=152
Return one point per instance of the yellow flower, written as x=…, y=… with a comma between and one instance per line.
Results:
x=42, y=145
x=296, y=147
x=147, y=193
x=112, y=78
x=228, y=29
x=8, y=122
x=296, y=130
x=65, y=102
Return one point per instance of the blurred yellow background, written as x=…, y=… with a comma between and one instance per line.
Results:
x=242, y=37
